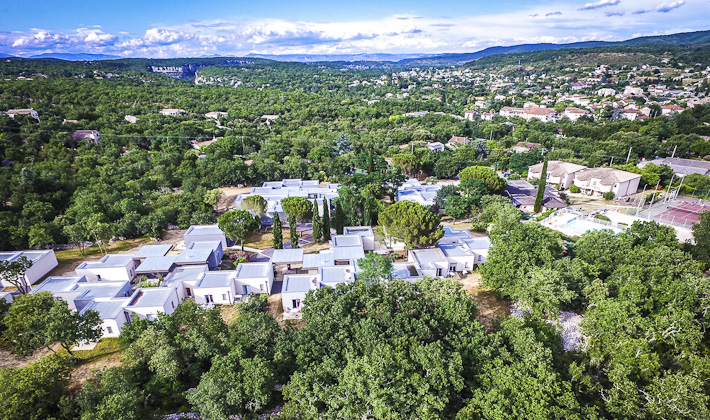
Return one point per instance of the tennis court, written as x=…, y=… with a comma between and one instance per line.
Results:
x=685, y=213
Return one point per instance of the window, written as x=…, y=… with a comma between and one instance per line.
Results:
x=109, y=330
x=245, y=289
x=224, y=296
x=188, y=292
x=173, y=304
x=296, y=303
x=209, y=299
x=480, y=258
x=261, y=287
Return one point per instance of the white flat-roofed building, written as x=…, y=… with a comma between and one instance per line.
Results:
x=254, y=277
x=598, y=181
x=100, y=290
x=315, y=261
x=148, y=302
x=61, y=287
x=338, y=241
x=6, y=296
x=183, y=279
x=459, y=256
x=42, y=263
x=205, y=233
x=216, y=287
x=216, y=251
x=480, y=246
x=452, y=235
x=413, y=190
x=348, y=254
x=432, y=262
x=194, y=256
x=154, y=267
x=295, y=288
x=293, y=258
x=274, y=192
x=364, y=232
x=113, y=315
x=407, y=271
x=558, y=172
x=334, y=275
x=114, y=267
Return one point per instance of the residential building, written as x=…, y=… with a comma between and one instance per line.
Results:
x=173, y=112
x=522, y=147
x=114, y=267
x=215, y=248
x=435, y=146
x=152, y=251
x=312, y=262
x=131, y=119
x=469, y=115
x=456, y=141
x=432, y=262
x=573, y=113
x=294, y=290
x=254, y=277
x=216, y=287
x=292, y=258
x=216, y=114
x=30, y=112
x=523, y=194
x=407, y=271
x=334, y=275
x=92, y=136
x=113, y=315
x=43, y=261
x=365, y=233
x=61, y=287
x=148, y=302
x=459, y=256
x=205, y=233
x=156, y=267
x=598, y=181
x=183, y=279
x=194, y=256
x=452, y=235
x=558, y=172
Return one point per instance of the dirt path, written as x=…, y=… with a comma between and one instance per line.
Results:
x=490, y=306
x=229, y=195
x=8, y=359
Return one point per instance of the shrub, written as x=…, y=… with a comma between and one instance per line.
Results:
x=608, y=195
x=602, y=217
x=573, y=189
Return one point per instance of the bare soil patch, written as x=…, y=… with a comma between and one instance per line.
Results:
x=8, y=359
x=490, y=306
x=229, y=194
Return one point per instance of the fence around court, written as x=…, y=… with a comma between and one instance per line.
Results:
x=679, y=216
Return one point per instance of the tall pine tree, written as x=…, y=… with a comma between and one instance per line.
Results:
x=339, y=218
x=316, y=222
x=278, y=232
x=293, y=231
x=541, y=188
x=326, y=220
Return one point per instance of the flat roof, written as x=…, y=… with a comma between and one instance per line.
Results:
x=146, y=297
x=250, y=270
x=184, y=273
x=450, y=232
x=299, y=282
x=479, y=243
x=204, y=230
x=156, y=264
x=404, y=270
x=359, y=230
x=58, y=284
x=346, y=240
x=427, y=257
x=99, y=289
x=455, y=250
x=211, y=245
x=287, y=256
x=194, y=256
x=216, y=279
x=318, y=260
x=337, y=274
x=352, y=253
x=32, y=255
x=152, y=251
x=107, y=309
x=108, y=261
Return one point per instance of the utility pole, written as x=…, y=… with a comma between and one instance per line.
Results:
x=650, y=206
x=674, y=149
x=612, y=161
x=669, y=189
x=678, y=190
x=638, y=208
x=628, y=156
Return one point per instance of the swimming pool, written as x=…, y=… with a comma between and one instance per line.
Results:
x=580, y=227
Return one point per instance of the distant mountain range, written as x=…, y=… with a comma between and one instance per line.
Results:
x=4, y=55
x=75, y=56
x=314, y=58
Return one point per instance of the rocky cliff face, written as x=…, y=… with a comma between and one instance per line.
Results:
x=188, y=70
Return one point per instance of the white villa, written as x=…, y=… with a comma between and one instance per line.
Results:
x=42, y=263
x=413, y=190
x=598, y=181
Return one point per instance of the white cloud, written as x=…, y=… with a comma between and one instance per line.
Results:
x=600, y=4
x=554, y=22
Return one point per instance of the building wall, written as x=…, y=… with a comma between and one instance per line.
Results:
x=126, y=273
x=217, y=295
x=288, y=297
x=41, y=267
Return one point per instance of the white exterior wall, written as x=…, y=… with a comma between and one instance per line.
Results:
x=116, y=325
x=228, y=291
x=463, y=263
x=41, y=267
x=288, y=297
x=151, y=312
x=627, y=188
x=126, y=273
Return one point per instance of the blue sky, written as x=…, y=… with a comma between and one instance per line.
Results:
x=150, y=28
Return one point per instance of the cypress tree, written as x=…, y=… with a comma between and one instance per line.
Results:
x=541, y=188
x=278, y=232
x=292, y=231
x=316, y=222
x=339, y=218
x=326, y=220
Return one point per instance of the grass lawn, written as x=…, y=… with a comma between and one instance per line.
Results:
x=106, y=348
